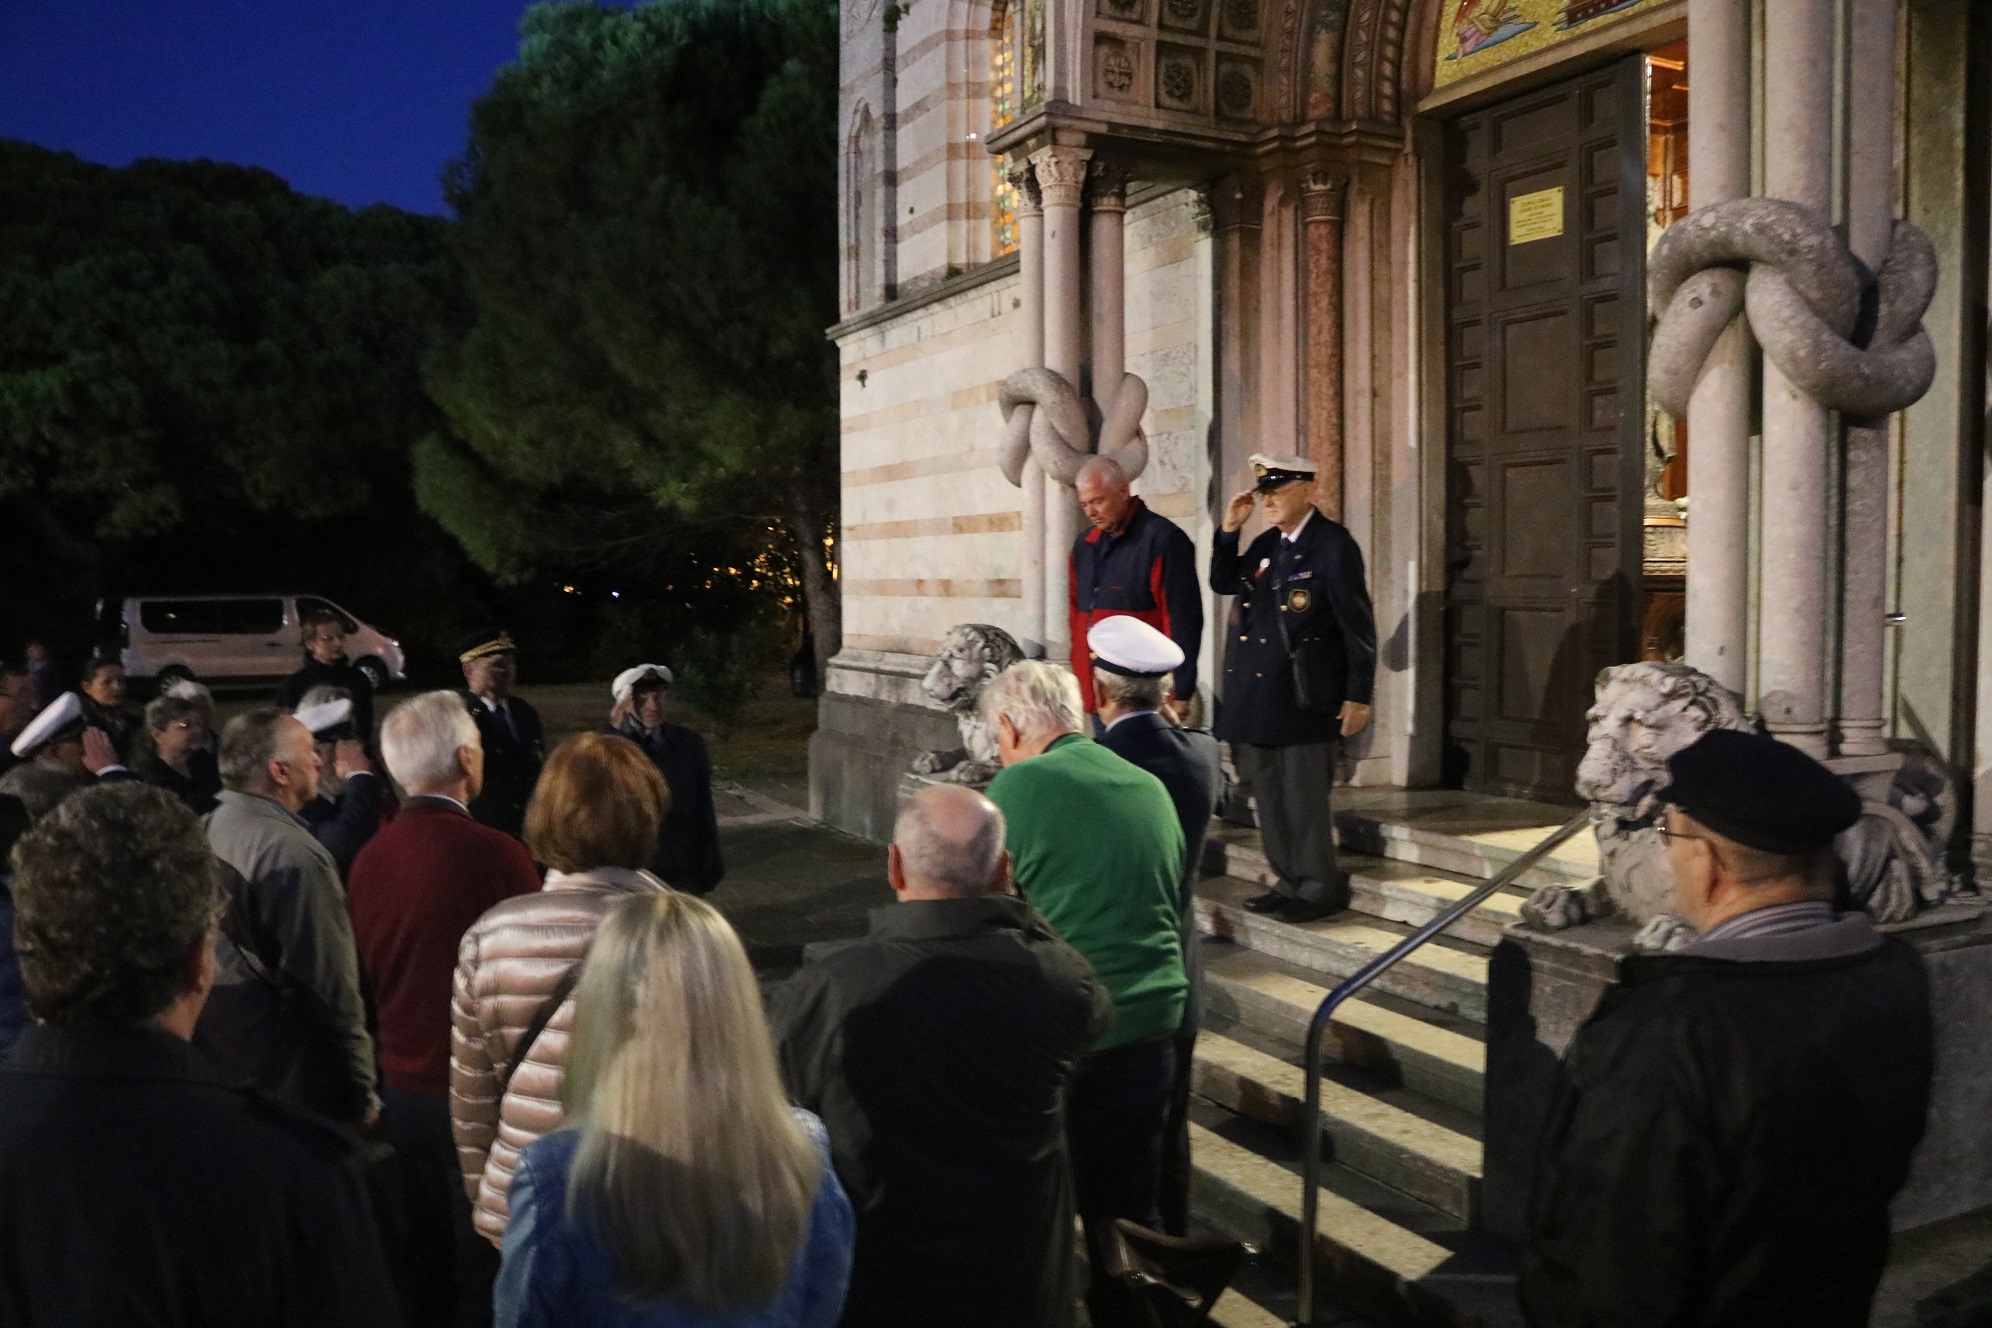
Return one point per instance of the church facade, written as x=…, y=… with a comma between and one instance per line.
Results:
x=1414, y=240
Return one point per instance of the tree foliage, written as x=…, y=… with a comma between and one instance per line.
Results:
x=647, y=240
x=184, y=334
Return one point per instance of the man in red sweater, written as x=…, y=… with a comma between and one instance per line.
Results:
x=415, y=889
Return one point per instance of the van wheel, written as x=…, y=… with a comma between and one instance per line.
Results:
x=375, y=670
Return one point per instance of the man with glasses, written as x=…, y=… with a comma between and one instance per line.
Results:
x=180, y=762
x=1729, y=1127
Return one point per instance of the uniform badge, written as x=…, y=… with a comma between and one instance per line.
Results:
x=1298, y=600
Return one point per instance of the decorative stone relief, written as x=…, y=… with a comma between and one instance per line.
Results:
x=1185, y=15
x=1127, y=11
x=1114, y=66
x=1646, y=712
x=1238, y=20
x=1237, y=88
x=970, y=658
x=1178, y=78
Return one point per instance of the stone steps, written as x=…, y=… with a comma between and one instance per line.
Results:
x=1381, y=887
x=1467, y=834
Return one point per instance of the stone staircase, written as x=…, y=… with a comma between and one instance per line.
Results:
x=1399, y=1240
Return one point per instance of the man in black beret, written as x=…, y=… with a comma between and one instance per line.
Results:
x=507, y=725
x=1729, y=1127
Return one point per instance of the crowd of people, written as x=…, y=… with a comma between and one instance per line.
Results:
x=472, y=1049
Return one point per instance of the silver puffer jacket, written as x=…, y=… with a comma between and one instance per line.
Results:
x=510, y=962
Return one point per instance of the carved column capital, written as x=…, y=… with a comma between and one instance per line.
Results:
x=1235, y=202
x=1024, y=181
x=1109, y=192
x=1061, y=174
x=1323, y=194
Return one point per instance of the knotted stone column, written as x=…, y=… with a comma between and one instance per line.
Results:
x=1323, y=195
x=1061, y=174
x=1109, y=233
x=1030, y=268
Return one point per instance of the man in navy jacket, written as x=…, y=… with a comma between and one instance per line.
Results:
x=1136, y=563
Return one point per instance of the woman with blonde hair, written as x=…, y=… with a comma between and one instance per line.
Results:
x=593, y=823
x=686, y=1191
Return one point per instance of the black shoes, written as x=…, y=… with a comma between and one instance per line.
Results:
x=1270, y=902
x=1300, y=910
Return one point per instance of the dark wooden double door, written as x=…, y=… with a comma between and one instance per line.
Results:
x=1545, y=240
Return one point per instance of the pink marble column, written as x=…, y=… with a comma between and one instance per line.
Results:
x=1108, y=213
x=1030, y=271
x=1323, y=194
x=1061, y=174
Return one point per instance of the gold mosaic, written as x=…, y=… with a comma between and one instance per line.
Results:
x=1478, y=35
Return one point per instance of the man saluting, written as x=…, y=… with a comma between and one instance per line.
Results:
x=1298, y=667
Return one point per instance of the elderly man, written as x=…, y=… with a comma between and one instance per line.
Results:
x=180, y=762
x=935, y=1050
x=507, y=726
x=415, y=890
x=1132, y=664
x=1136, y=563
x=325, y=665
x=140, y=1189
x=1097, y=848
x=286, y=1015
x=688, y=856
x=1297, y=676
x=1729, y=1127
x=60, y=753
x=347, y=810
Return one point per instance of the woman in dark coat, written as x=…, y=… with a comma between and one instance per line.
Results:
x=687, y=855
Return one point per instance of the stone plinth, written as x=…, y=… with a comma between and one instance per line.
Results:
x=861, y=747
x=1542, y=986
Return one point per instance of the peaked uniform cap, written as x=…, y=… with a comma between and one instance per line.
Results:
x=321, y=718
x=60, y=719
x=1131, y=647
x=1760, y=792
x=627, y=680
x=490, y=641
x=1272, y=469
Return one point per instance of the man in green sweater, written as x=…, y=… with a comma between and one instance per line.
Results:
x=1098, y=850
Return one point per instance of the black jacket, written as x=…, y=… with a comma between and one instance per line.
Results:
x=687, y=856
x=1186, y=761
x=936, y=1051
x=136, y=1190
x=341, y=674
x=1148, y=570
x=344, y=824
x=1315, y=586
x=197, y=788
x=513, y=755
x=1726, y=1134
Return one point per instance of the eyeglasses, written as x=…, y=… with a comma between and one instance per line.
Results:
x=1671, y=833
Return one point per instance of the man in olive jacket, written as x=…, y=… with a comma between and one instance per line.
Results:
x=1099, y=851
x=935, y=1050
x=1729, y=1128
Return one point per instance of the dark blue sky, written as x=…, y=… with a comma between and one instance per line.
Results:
x=359, y=100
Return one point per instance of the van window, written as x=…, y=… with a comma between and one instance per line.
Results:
x=307, y=605
x=212, y=617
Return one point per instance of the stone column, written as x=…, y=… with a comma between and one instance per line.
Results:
x=1030, y=269
x=1061, y=173
x=1323, y=194
x=1109, y=232
x=1864, y=522
x=1719, y=410
x=1798, y=165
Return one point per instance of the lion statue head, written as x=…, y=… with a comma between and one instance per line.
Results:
x=1643, y=714
x=971, y=655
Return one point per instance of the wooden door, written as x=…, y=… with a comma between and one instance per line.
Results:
x=1545, y=202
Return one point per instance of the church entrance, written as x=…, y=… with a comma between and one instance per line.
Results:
x=1546, y=446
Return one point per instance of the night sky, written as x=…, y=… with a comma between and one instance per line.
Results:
x=363, y=101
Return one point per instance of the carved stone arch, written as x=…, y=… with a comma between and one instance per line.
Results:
x=1353, y=59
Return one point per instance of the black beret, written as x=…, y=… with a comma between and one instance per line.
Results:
x=1760, y=792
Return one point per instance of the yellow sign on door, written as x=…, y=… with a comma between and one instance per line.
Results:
x=1537, y=216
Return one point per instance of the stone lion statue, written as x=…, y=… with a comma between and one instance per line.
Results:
x=970, y=656
x=1895, y=854
x=1643, y=714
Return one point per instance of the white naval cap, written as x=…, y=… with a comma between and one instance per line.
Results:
x=55, y=722
x=1272, y=469
x=329, y=715
x=627, y=680
x=1130, y=646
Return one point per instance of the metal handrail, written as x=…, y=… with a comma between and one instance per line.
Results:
x=1310, y=1197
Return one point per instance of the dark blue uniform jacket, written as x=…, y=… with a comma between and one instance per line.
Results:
x=1315, y=584
x=1147, y=571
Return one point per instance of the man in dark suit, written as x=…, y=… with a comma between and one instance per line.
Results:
x=1303, y=615
x=134, y=1187
x=1132, y=666
x=508, y=727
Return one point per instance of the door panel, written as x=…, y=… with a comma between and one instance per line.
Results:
x=1543, y=466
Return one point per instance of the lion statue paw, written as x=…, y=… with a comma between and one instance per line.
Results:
x=1663, y=933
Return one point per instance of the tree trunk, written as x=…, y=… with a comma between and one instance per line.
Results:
x=821, y=596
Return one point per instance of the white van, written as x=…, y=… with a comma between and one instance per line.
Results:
x=238, y=638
